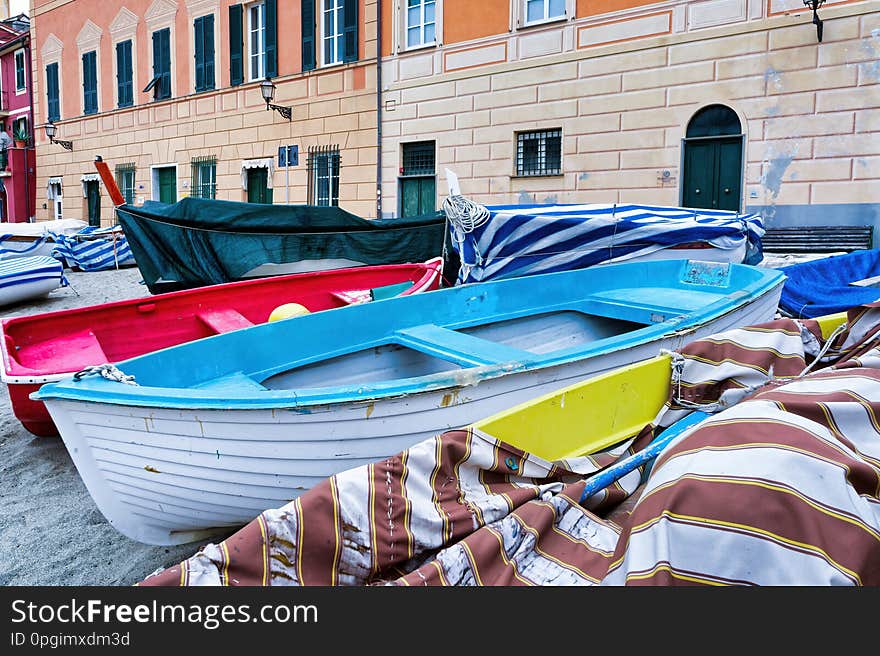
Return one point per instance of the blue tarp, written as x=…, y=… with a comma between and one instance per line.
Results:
x=521, y=240
x=823, y=286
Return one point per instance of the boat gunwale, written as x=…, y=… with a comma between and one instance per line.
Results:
x=96, y=391
x=14, y=372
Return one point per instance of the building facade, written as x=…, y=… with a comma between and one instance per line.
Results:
x=733, y=104
x=17, y=161
x=168, y=94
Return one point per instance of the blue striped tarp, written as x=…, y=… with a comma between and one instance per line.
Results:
x=519, y=240
x=94, y=249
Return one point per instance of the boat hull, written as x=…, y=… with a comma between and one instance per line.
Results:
x=170, y=476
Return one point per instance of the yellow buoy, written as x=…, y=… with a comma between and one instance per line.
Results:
x=287, y=311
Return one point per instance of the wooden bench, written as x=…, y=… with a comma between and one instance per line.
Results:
x=817, y=239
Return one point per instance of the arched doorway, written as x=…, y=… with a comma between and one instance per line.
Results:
x=713, y=160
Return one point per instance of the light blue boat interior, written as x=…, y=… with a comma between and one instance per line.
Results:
x=432, y=340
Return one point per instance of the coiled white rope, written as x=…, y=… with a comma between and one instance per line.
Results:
x=464, y=216
x=107, y=371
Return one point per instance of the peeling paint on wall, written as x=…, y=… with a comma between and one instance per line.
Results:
x=551, y=200
x=775, y=165
x=870, y=70
x=583, y=176
x=525, y=198
x=773, y=78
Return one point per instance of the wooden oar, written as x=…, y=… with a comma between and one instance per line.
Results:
x=607, y=476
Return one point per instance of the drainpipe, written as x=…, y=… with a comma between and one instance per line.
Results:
x=33, y=140
x=378, y=109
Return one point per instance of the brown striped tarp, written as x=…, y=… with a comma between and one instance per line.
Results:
x=781, y=486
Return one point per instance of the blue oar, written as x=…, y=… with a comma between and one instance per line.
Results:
x=607, y=476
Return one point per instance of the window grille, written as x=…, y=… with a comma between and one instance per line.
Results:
x=539, y=152
x=418, y=158
x=204, y=177
x=323, y=164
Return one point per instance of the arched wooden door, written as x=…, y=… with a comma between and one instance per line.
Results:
x=713, y=160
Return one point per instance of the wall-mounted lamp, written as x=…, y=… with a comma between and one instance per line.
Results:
x=814, y=5
x=50, y=132
x=267, y=88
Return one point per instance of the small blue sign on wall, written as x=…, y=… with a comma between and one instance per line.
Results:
x=288, y=156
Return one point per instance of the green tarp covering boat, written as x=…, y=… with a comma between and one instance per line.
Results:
x=198, y=242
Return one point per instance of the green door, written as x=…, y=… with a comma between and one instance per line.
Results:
x=167, y=184
x=93, y=200
x=713, y=173
x=417, y=196
x=258, y=186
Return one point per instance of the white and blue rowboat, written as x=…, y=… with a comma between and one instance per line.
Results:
x=213, y=432
x=22, y=278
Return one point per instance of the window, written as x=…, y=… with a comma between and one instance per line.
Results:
x=125, y=181
x=204, y=52
x=90, y=82
x=256, y=41
x=20, y=76
x=160, y=85
x=539, y=152
x=124, y=90
x=332, y=43
x=420, y=23
x=323, y=175
x=537, y=11
x=329, y=32
x=53, y=104
x=204, y=177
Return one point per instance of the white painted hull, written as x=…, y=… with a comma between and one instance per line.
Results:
x=164, y=476
x=26, y=290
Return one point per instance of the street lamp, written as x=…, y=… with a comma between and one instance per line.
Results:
x=814, y=5
x=267, y=88
x=50, y=132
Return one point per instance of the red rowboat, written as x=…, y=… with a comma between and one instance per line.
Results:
x=47, y=347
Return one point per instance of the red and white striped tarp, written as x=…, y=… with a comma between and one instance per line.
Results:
x=780, y=487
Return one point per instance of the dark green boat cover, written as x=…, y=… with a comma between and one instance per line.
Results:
x=198, y=242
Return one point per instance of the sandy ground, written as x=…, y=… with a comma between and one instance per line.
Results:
x=51, y=532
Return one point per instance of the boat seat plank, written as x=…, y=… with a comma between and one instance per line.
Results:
x=460, y=348
x=237, y=382
x=646, y=305
x=224, y=321
x=75, y=351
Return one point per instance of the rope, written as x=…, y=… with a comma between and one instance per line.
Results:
x=465, y=216
x=107, y=371
x=824, y=350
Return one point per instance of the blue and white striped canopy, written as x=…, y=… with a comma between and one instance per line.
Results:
x=519, y=240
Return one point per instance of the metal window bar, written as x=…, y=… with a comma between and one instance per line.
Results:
x=323, y=170
x=539, y=152
x=204, y=177
x=418, y=158
x=125, y=174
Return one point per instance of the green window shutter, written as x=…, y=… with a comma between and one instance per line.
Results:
x=236, y=46
x=124, y=89
x=199, y=41
x=90, y=83
x=204, y=52
x=209, y=51
x=162, y=63
x=53, y=108
x=271, y=67
x=350, y=30
x=308, y=34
